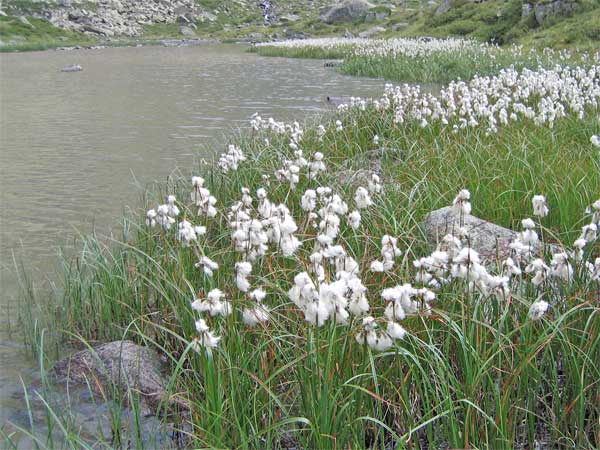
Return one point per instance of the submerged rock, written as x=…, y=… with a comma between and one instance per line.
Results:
x=72, y=68
x=491, y=241
x=121, y=364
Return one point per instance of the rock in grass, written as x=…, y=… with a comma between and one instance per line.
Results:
x=25, y=22
x=491, y=241
x=371, y=32
x=348, y=11
x=444, y=7
x=119, y=364
x=186, y=31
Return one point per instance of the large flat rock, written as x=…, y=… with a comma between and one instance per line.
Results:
x=491, y=241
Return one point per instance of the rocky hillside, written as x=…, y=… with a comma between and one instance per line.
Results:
x=560, y=22
x=132, y=17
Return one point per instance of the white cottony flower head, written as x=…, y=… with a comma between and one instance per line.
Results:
x=321, y=131
x=187, y=232
x=354, y=220
x=595, y=270
x=528, y=224
x=511, y=268
x=589, y=233
x=151, y=218
x=197, y=182
x=309, y=200
x=374, y=184
x=316, y=165
x=242, y=271
x=258, y=294
x=172, y=209
x=256, y=315
x=206, y=339
x=595, y=140
x=561, y=268
x=207, y=264
x=362, y=198
x=461, y=204
x=213, y=304
x=259, y=313
x=540, y=270
x=163, y=218
x=538, y=309
x=395, y=330
x=540, y=207
x=230, y=161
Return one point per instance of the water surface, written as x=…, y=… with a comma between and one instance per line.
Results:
x=76, y=149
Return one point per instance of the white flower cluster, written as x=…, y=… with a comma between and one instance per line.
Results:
x=202, y=198
x=231, y=160
x=497, y=100
x=331, y=285
x=392, y=48
x=389, y=253
x=164, y=215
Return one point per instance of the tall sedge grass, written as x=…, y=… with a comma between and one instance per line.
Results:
x=476, y=373
x=423, y=60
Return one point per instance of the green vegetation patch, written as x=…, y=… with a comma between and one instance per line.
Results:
x=40, y=35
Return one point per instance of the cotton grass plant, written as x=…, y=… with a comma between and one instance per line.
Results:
x=420, y=60
x=299, y=303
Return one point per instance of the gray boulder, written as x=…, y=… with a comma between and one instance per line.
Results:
x=491, y=241
x=377, y=16
x=25, y=22
x=348, y=11
x=526, y=10
x=444, y=7
x=119, y=364
x=399, y=26
x=204, y=16
x=371, y=32
x=543, y=11
x=186, y=31
x=289, y=18
x=348, y=34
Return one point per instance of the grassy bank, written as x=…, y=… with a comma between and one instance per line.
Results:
x=39, y=34
x=422, y=60
x=481, y=365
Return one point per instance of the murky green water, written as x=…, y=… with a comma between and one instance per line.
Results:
x=77, y=148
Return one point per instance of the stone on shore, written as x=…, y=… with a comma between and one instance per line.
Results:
x=121, y=364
